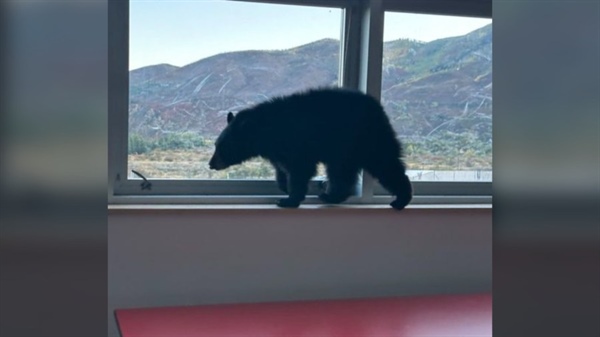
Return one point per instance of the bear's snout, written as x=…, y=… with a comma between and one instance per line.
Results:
x=216, y=163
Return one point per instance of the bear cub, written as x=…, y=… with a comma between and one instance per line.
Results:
x=345, y=130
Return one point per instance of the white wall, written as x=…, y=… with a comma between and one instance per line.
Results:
x=200, y=256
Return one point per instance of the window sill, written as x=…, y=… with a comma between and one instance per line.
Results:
x=136, y=208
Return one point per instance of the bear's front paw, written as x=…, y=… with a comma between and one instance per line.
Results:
x=288, y=203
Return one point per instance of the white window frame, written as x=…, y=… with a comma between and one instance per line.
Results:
x=361, y=48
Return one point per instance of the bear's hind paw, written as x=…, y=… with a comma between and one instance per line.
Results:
x=400, y=203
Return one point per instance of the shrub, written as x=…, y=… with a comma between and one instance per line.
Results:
x=138, y=144
x=180, y=141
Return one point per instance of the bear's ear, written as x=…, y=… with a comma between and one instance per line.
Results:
x=230, y=117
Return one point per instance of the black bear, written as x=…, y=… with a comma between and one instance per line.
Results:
x=345, y=130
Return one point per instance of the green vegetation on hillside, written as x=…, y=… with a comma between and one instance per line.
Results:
x=171, y=141
x=180, y=157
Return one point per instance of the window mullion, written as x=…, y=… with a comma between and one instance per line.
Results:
x=351, y=47
x=371, y=57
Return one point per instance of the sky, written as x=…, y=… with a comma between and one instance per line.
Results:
x=182, y=32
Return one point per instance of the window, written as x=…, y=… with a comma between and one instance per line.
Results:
x=181, y=66
x=183, y=81
x=437, y=90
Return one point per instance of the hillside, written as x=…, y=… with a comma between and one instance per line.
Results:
x=440, y=86
x=428, y=89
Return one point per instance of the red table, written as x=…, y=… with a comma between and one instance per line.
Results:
x=423, y=316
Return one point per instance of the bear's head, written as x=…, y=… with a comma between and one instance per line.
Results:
x=234, y=144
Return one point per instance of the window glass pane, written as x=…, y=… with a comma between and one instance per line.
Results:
x=193, y=61
x=437, y=91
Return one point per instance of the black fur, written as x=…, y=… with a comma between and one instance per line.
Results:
x=345, y=130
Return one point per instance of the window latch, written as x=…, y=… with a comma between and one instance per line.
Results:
x=145, y=185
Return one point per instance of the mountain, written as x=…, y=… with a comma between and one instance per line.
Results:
x=426, y=88
x=194, y=97
x=142, y=75
x=443, y=85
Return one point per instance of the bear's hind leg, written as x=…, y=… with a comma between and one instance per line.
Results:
x=298, y=178
x=391, y=174
x=341, y=181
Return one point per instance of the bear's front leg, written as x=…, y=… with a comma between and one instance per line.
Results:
x=282, y=179
x=298, y=180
